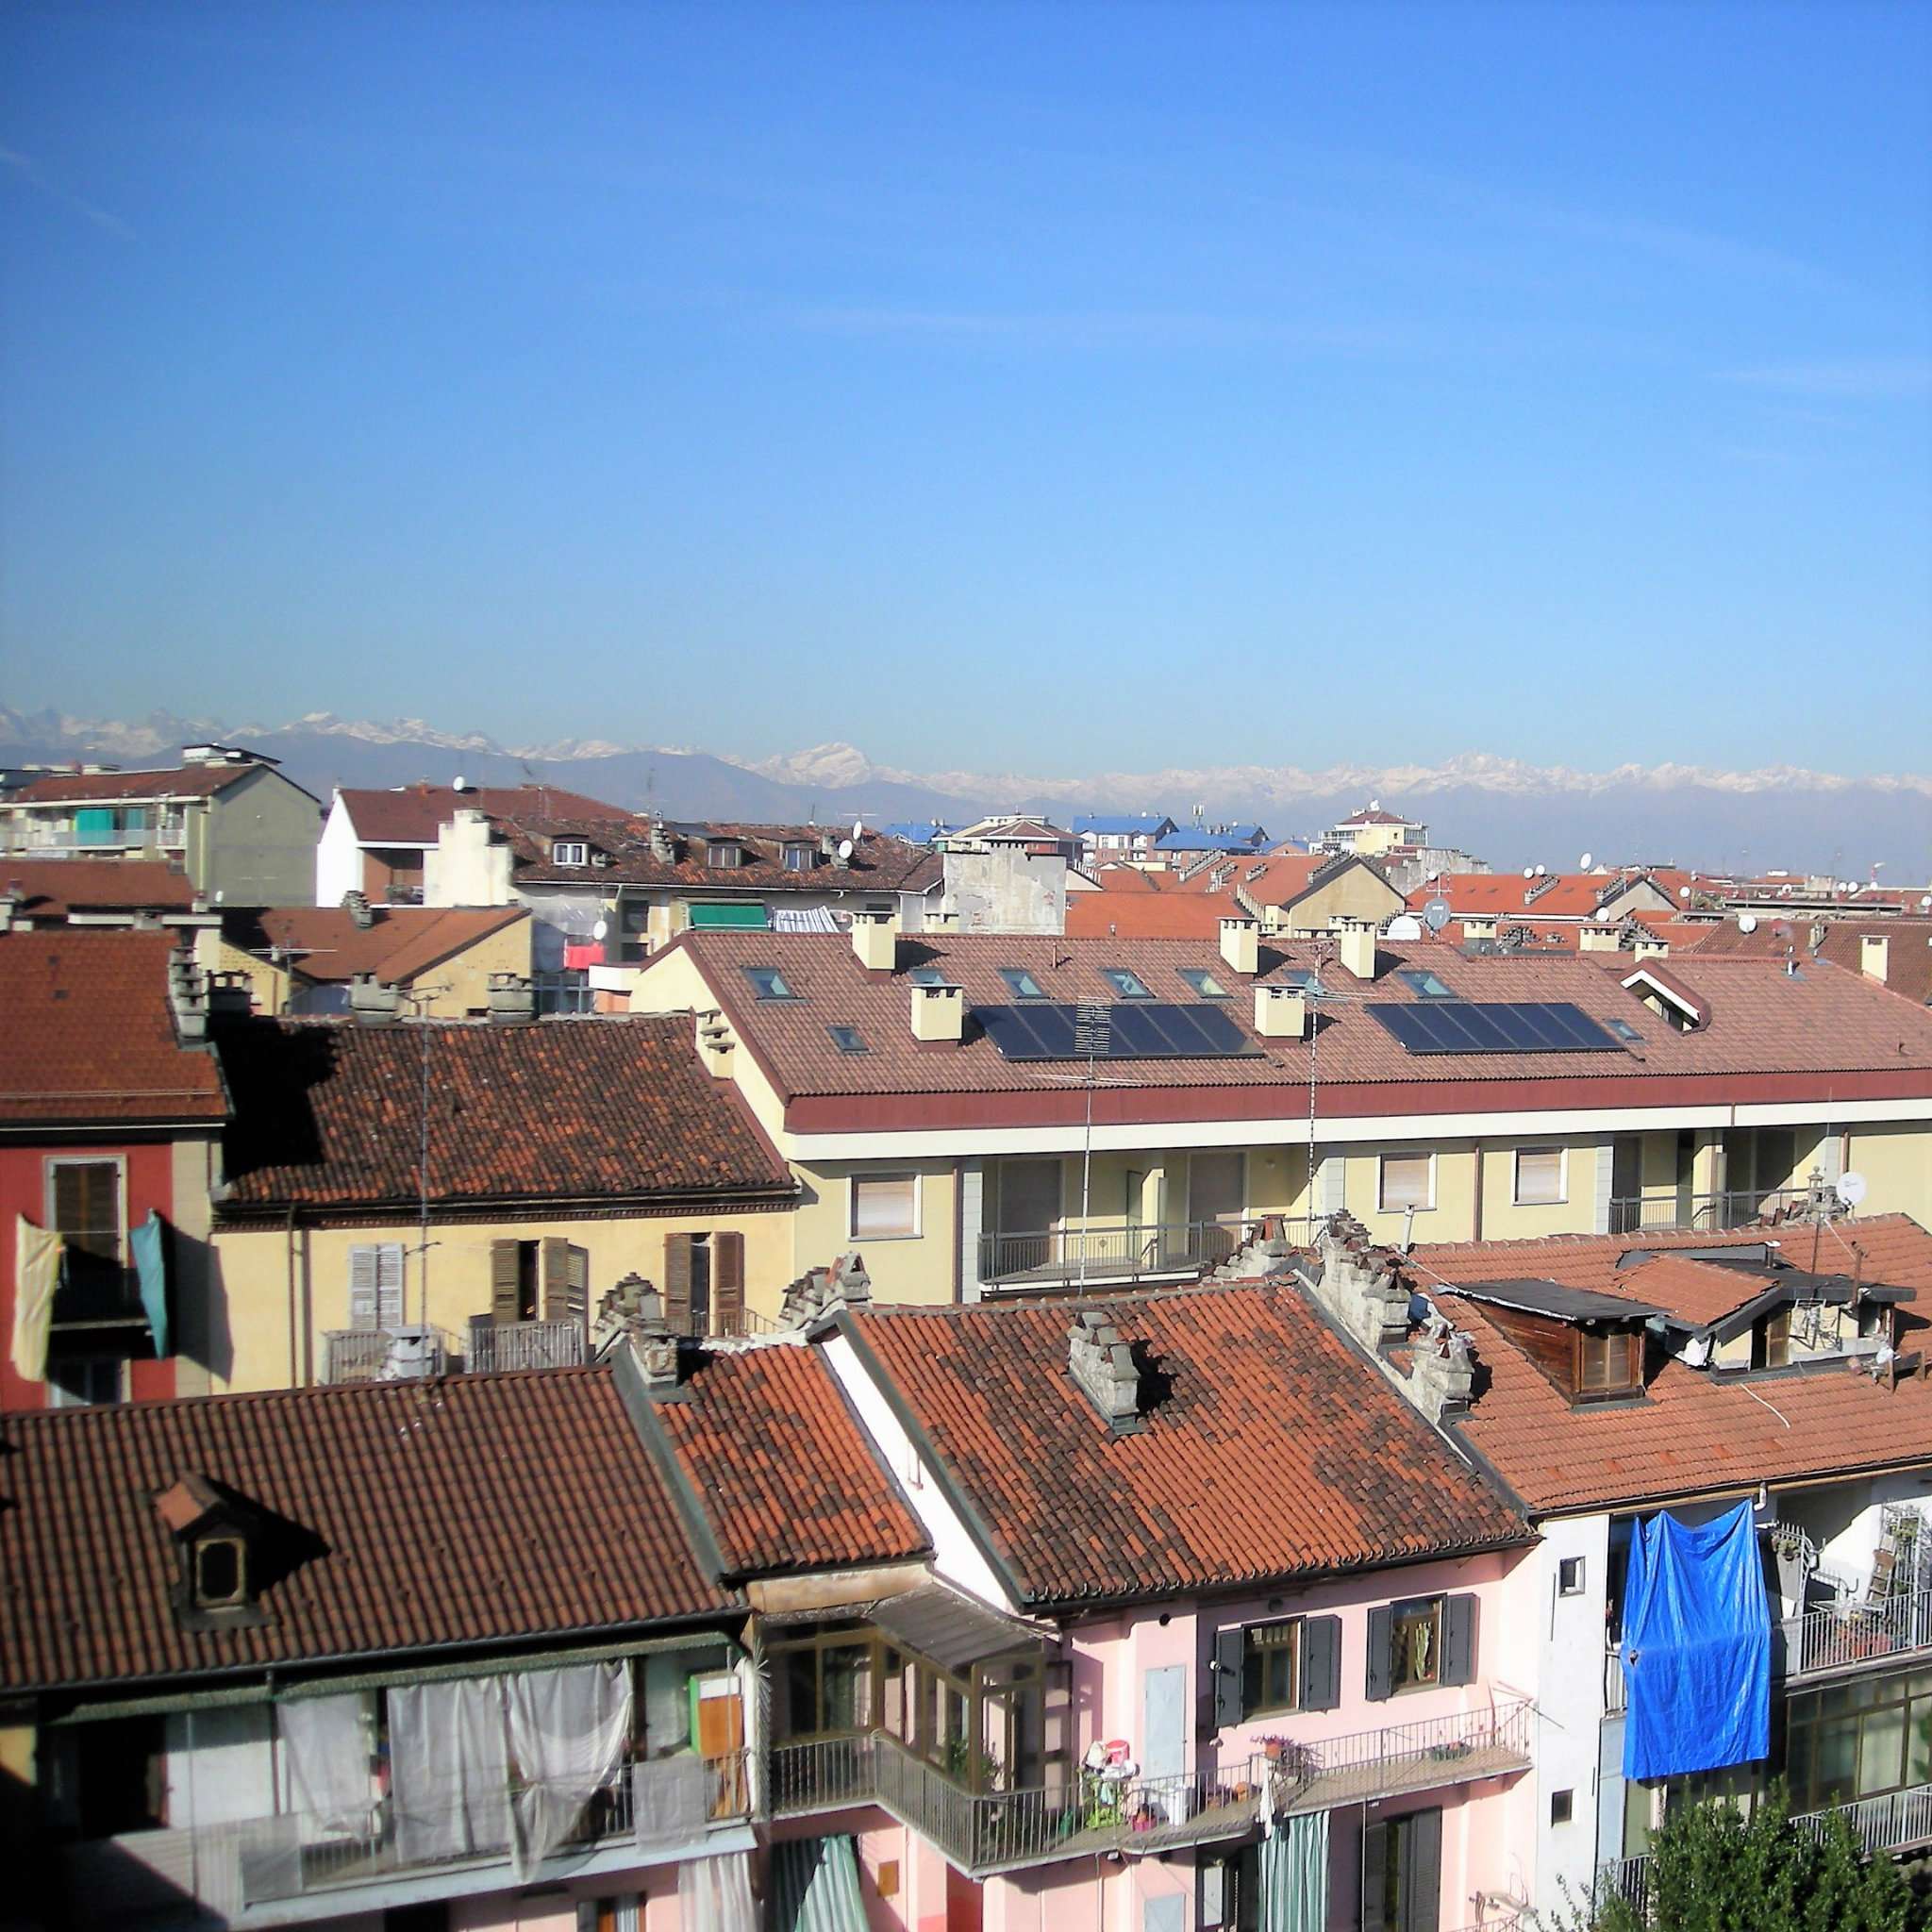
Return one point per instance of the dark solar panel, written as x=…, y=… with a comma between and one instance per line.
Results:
x=1495, y=1026
x=1135, y=1030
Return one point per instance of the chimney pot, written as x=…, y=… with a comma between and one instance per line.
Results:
x=1281, y=1013
x=1598, y=939
x=1103, y=1365
x=1240, y=945
x=1356, y=947
x=1875, y=956
x=875, y=941
x=370, y=1001
x=939, y=1015
x=512, y=998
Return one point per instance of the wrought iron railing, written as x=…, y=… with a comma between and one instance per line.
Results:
x=1367, y=1765
x=495, y=1346
x=1857, y=1633
x=1704, y=1213
x=385, y=1354
x=1106, y=1251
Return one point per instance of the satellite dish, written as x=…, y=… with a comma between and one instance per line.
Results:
x=858, y=830
x=1375, y=804
x=1543, y=871
x=462, y=783
x=1851, y=1188
x=1683, y=891
x=844, y=848
x=1404, y=925
x=1748, y=922
x=1435, y=914
x=1436, y=873
x=1925, y=904
x=1583, y=863
x=1529, y=872
x=600, y=929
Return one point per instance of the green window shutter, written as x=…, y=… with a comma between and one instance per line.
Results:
x=1381, y=1648
x=1321, y=1663
x=1228, y=1659
x=1458, y=1639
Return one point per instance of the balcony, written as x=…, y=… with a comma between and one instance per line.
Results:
x=1086, y=1815
x=1106, y=1253
x=1703, y=1213
x=296, y=1866
x=494, y=1346
x=385, y=1354
x=1851, y=1636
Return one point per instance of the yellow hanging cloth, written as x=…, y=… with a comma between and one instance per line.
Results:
x=37, y=1256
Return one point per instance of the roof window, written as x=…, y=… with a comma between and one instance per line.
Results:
x=799, y=858
x=848, y=1039
x=1130, y=986
x=1626, y=1032
x=1205, y=984
x=722, y=855
x=1304, y=979
x=569, y=852
x=1021, y=984
x=1425, y=984
x=769, y=983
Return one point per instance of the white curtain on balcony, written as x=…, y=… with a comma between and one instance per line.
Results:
x=714, y=1895
x=569, y=1731
x=670, y=1800
x=449, y=1765
x=1294, y=1874
x=326, y=1747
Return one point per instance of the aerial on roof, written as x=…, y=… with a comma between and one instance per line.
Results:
x=1270, y=1447
x=1906, y=952
x=54, y=888
x=378, y=1531
x=768, y=1448
x=90, y=1035
x=330, y=1113
x=329, y=943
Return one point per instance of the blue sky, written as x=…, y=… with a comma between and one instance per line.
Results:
x=1056, y=388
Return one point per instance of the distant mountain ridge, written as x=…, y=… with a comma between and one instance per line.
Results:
x=1505, y=809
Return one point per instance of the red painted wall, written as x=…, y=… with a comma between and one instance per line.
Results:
x=24, y=1190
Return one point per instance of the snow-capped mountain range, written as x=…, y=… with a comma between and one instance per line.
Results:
x=1510, y=811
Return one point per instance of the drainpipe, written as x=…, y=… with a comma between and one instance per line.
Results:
x=959, y=1228
x=1475, y=1229
x=289, y=1236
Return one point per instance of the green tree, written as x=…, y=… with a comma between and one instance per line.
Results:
x=1714, y=1870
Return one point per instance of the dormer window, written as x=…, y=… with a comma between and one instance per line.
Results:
x=216, y=1534
x=798, y=857
x=722, y=855
x=221, y=1572
x=1609, y=1362
x=569, y=852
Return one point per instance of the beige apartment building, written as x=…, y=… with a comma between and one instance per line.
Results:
x=983, y=1115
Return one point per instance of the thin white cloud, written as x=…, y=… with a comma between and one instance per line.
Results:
x=29, y=171
x=1863, y=379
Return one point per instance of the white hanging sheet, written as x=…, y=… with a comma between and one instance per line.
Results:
x=569, y=1732
x=714, y=1895
x=326, y=1747
x=670, y=1800
x=449, y=1768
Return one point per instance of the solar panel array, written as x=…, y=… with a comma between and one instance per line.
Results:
x=1133, y=1031
x=1495, y=1026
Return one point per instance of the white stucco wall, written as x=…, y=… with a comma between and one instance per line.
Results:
x=1569, y=1690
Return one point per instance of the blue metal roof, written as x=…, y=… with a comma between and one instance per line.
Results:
x=1205, y=842
x=916, y=831
x=1122, y=824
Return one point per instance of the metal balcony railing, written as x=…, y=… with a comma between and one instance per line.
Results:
x=495, y=1346
x=1856, y=1633
x=1106, y=1251
x=385, y=1354
x=1703, y=1213
x=1368, y=1765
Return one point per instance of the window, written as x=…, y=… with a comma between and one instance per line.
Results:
x=1416, y=1638
x=1608, y=1363
x=1402, y=1873
x=885, y=1207
x=1624, y=1031
x=1205, y=984
x=84, y=1209
x=1570, y=1576
x=1130, y=986
x=569, y=852
x=769, y=983
x=221, y=1572
x=1562, y=1806
x=848, y=1039
x=84, y=1381
x=375, y=1284
x=798, y=857
x=1420, y=1642
x=823, y=1687
x=723, y=857
x=1406, y=1180
x=1271, y=1676
x=1021, y=984
x=1425, y=984
x=1540, y=1176
x=926, y=976
x=1859, y=1738
x=1770, y=1347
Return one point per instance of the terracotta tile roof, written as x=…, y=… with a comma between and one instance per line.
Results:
x=412, y=1514
x=1576, y=896
x=1699, y=1293
x=784, y=1473
x=878, y=864
x=1373, y=816
x=326, y=944
x=89, y=1034
x=1272, y=1447
x=1761, y=1021
x=327, y=1113
x=1908, y=957
x=411, y=815
x=171, y=781
x=1175, y=915
x=53, y=887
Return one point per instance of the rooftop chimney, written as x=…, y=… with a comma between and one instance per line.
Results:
x=1649, y=946
x=1281, y=1013
x=1598, y=939
x=939, y=1015
x=512, y=998
x=945, y=917
x=1103, y=1365
x=716, y=1043
x=875, y=939
x=229, y=996
x=1478, y=925
x=1240, y=944
x=1874, y=955
x=11, y=900
x=357, y=905
x=662, y=850
x=1355, y=941
x=370, y=1001
x=188, y=997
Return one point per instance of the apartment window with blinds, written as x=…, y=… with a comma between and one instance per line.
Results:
x=1407, y=1180
x=885, y=1207
x=1538, y=1176
x=1270, y=1678
x=84, y=1207
x=375, y=1284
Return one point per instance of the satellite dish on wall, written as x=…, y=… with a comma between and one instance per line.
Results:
x=1435, y=914
x=1748, y=922
x=844, y=848
x=600, y=929
x=1851, y=1188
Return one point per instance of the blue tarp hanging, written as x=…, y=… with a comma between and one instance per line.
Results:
x=1696, y=1647
x=151, y=1268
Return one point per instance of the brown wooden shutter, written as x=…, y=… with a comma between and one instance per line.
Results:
x=678, y=1282
x=727, y=1283
x=579, y=1295
x=556, y=1279
x=504, y=1269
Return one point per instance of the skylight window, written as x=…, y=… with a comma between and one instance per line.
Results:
x=1425, y=984
x=769, y=983
x=1021, y=984
x=1130, y=986
x=1624, y=1031
x=1304, y=980
x=1205, y=984
x=848, y=1039
x=926, y=976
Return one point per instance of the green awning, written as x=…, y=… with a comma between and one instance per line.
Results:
x=745, y=918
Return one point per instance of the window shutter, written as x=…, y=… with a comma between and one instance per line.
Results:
x=579, y=1293
x=678, y=1282
x=362, y=1272
x=1381, y=1642
x=388, y=1285
x=1422, y=1888
x=503, y=1280
x=1321, y=1663
x=1375, y=1879
x=1228, y=1656
x=1458, y=1639
x=556, y=1279
x=1211, y=1907
x=727, y=1283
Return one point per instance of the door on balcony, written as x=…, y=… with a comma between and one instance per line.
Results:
x=1216, y=1183
x=1626, y=1184
x=1030, y=1216
x=1164, y=1738
x=1402, y=1873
